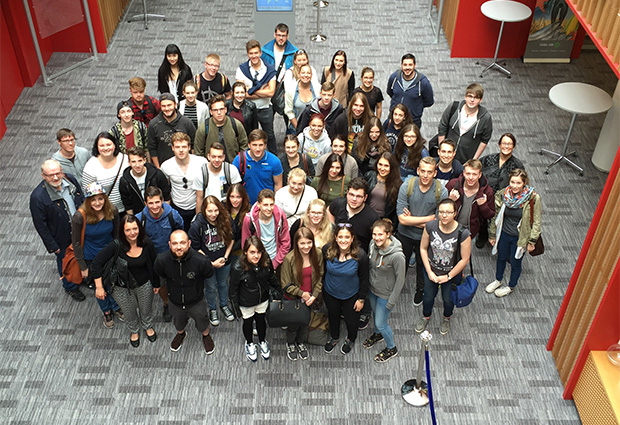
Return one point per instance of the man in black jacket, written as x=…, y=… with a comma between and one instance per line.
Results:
x=185, y=271
x=137, y=178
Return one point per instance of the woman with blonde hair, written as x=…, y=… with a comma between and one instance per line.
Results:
x=315, y=218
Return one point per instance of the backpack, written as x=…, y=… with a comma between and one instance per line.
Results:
x=242, y=166
x=205, y=177
x=197, y=81
x=170, y=219
x=463, y=294
x=411, y=185
x=233, y=121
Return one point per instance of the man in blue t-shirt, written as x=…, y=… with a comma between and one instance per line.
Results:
x=259, y=169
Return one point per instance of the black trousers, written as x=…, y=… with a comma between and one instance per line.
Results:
x=337, y=307
x=409, y=246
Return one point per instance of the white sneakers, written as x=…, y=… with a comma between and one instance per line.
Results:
x=503, y=291
x=497, y=288
x=250, y=351
x=491, y=287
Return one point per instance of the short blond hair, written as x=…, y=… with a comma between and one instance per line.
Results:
x=137, y=83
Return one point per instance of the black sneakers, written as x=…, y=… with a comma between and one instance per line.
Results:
x=177, y=341
x=330, y=345
x=347, y=346
x=417, y=299
x=76, y=294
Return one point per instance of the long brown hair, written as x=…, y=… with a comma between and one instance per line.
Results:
x=264, y=261
x=244, y=208
x=304, y=233
x=91, y=215
x=393, y=180
x=365, y=115
x=408, y=118
x=364, y=142
x=414, y=152
x=324, y=178
x=222, y=222
x=334, y=249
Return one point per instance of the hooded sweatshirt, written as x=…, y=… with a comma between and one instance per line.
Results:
x=159, y=229
x=387, y=271
x=416, y=97
x=466, y=143
x=251, y=226
x=313, y=108
x=314, y=148
x=160, y=134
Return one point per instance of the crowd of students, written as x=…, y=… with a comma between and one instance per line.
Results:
x=193, y=199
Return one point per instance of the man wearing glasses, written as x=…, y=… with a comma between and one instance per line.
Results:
x=182, y=170
x=467, y=123
x=72, y=158
x=210, y=82
x=228, y=131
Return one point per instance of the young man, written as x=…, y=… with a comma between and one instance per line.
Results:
x=128, y=132
x=145, y=107
x=411, y=88
x=210, y=82
x=163, y=126
x=339, y=147
x=52, y=204
x=294, y=199
x=417, y=202
x=258, y=168
x=71, y=158
x=474, y=198
x=182, y=170
x=192, y=108
x=215, y=177
x=448, y=168
x=268, y=222
x=185, y=272
x=467, y=123
x=159, y=220
x=326, y=105
x=260, y=79
x=137, y=178
x=220, y=128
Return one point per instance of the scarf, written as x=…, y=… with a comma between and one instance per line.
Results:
x=516, y=201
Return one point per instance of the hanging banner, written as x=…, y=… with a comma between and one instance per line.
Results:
x=553, y=31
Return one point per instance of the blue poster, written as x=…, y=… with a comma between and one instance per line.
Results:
x=274, y=5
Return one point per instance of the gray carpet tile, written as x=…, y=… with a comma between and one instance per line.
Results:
x=61, y=366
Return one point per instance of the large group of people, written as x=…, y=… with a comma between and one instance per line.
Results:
x=191, y=201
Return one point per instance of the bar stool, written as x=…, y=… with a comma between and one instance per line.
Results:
x=145, y=16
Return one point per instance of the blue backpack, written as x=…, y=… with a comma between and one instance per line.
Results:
x=463, y=294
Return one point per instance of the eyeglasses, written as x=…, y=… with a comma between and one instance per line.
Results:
x=71, y=140
x=410, y=137
x=218, y=110
x=315, y=213
x=471, y=96
x=347, y=225
x=185, y=183
x=445, y=213
x=355, y=196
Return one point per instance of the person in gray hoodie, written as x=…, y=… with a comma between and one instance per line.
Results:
x=387, y=278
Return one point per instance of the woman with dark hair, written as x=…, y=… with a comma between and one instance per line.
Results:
x=251, y=279
x=238, y=205
x=211, y=235
x=137, y=278
x=383, y=184
x=409, y=150
x=514, y=229
x=399, y=117
x=106, y=166
x=369, y=145
x=339, y=147
x=294, y=158
x=332, y=183
x=242, y=109
x=354, y=121
x=301, y=278
x=314, y=140
x=345, y=285
x=341, y=76
x=97, y=219
x=173, y=73
x=372, y=93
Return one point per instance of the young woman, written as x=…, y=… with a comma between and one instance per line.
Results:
x=387, y=278
x=238, y=205
x=315, y=218
x=173, y=72
x=345, y=286
x=369, y=145
x=399, y=117
x=106, y=166
x=332, y=183
x=242, y=109
x=314, y=140
x=127, y=131
x=250, y=280
x=383, y=185
x=301, y=278
x=339, y=147
x=444, y=256
x=354, y=121
x=300, y=96
x=409, y=150
x=138, y=280
x=514, y=229
x=97, y=219
x=291, y=76
x=342, y=77
x=372, y=93
x=292, y=158
x=211, y=234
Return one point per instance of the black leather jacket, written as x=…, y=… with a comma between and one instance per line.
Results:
x=251, y=287
x=248, y=110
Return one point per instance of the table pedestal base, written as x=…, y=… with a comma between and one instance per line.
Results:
x=497, y=65
x=145, y=16
x=563, y=156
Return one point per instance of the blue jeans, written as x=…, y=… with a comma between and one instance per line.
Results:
x=67, y=286
x=108, y=303
x=217, y=284
x=430, y=292
x=506, y=248
x=382, y=313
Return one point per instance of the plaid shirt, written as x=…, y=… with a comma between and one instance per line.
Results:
x=146, y=113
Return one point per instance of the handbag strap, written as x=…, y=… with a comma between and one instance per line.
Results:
x=117, y=174
x=298, y=203
x=532, y=209
x=458, y=250
x=83, y=227
x=342, y=188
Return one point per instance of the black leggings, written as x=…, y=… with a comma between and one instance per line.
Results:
x=261, y=327
x=337, y=307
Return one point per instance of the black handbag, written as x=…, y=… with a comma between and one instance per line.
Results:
x=283, y=312
x=116, y=272
x=277, y=100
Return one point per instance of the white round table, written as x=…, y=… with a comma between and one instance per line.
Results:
x=576, y=98
x=503, y=11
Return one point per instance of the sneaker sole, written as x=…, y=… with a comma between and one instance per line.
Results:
x=176, y=349
x=251, y=359
x=293, y=360
x=383, y=359
x=330, y=350
x=209, y=352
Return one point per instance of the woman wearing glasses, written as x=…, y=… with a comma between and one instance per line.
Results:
x=315, y=218
x=345, y=286
x=409, y=150
x=445, y=248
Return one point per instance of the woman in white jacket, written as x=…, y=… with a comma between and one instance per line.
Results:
x=299, y=96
